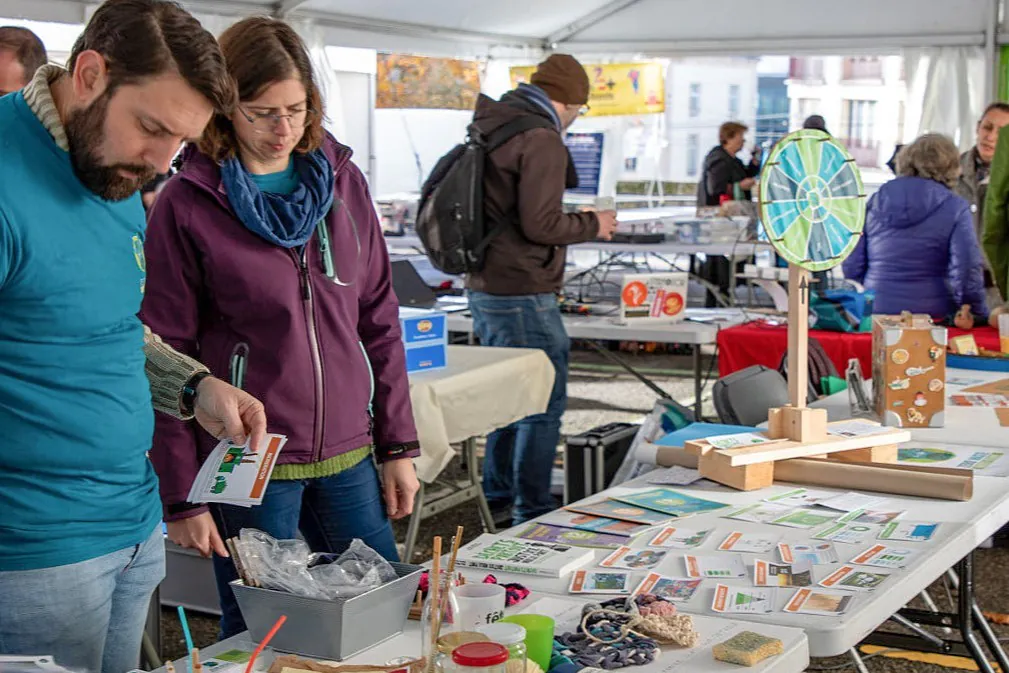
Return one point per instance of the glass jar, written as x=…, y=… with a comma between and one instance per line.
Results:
x=479, y=658
x=444, y=612
x=513, y=637
x=447, y=644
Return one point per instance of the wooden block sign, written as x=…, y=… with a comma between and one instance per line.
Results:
x=909, y=371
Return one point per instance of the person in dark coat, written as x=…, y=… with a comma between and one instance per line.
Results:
x=918, y=251
x=724, y=175
x=723, y=171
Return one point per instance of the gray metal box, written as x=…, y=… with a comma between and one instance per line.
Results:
x=333, y=630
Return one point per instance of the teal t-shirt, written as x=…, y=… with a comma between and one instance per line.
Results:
x=282, y=182
x=76, y=419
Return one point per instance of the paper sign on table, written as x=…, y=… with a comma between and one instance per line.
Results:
x=237, y=474
x=742, y=601
x=856, y=429
x=869, y=516
x=799, y=497
x=821, y=553
x=962, y=381
x=805, y=518
x=720, y=566
x=670, y=502
x=633, y=559
x=673, y=476
x=848, y=533
x=751, y=543
x=979, y=400
x=600, y=582
x=851, y=501
x=882, y=556
x=813, y=602
x=854, y=579
x=611, y=509
x=761, y=512
x=596, y=524
x=770, y=574
x=671, y=588
x=988, y=461
x=679, y=538
x=999, y=387
x=740, y=440
x=909, y=531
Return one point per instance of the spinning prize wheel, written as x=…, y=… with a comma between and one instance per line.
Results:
x=812, y=204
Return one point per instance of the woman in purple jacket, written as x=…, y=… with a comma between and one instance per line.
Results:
x=265, y=257
x=919, y=252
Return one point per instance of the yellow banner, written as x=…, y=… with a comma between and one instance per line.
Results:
x=617, y=88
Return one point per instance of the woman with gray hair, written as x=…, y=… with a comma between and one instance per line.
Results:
x=918, y=251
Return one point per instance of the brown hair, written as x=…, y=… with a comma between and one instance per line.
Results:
x=261, y=51
x=146, y=38
x=932, y=156
x=997, y=105
x=730, y=130
x=27, y=47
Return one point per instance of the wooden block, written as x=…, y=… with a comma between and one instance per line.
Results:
x=831, y=444
x=798, y=424
x=697, y=447
x=716, y=467
x=873, y=454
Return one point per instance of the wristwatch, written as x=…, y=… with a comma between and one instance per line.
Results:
x=189, y=392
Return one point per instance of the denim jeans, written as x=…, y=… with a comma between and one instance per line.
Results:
x=520, y=457
x=330, y=512
x=90, y=615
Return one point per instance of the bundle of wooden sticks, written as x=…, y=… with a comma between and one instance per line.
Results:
x=438, y=588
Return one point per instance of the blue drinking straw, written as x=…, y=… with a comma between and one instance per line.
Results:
x=185, y=632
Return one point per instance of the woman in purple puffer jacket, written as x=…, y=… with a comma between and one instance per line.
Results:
x=266, y=258
x=919, y=252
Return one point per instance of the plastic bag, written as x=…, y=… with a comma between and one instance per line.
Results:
x=289, y=565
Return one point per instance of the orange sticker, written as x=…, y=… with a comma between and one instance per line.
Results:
x=635, y=294
x=721, y=596
x=868, y=554
x=673, y=304
x=797, y=600
x=836, y=576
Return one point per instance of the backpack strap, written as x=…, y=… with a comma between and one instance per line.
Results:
x=506, y=132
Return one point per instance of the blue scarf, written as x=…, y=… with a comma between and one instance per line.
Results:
x=538, y=96
x=287, y=220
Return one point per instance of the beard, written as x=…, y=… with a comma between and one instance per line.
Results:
x=85, y=130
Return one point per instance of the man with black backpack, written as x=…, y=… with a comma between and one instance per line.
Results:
x=513, y=297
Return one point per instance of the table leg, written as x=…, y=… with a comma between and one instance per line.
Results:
x=630, y=370
x=698, y=385
x=965, y=605
x=857, y=660
x=469, y=451
x=413, y=528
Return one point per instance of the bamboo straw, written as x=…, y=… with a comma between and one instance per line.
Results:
x=456, y=543
x=435, y=600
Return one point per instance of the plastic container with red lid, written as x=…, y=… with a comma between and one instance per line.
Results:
x=480, y=658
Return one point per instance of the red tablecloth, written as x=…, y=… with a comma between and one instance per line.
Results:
x=758, y=343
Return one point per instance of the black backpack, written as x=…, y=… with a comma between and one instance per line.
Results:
x=820, y=366
x=451, y=222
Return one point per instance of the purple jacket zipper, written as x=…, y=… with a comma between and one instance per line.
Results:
x=313, y=338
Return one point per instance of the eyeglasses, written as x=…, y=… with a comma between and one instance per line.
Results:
x=583, y=110
x=267, y=122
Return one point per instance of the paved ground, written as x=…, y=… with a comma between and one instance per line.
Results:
x=595, y=397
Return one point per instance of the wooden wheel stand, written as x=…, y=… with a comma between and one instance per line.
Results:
x=797, y=431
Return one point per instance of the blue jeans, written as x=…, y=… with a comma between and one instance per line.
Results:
x=330, y=512
x=90, y=615
x=521, y=456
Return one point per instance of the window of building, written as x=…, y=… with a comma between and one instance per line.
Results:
x=695, y=100
x=859, y=122
x=693, y=154
x=733, y=101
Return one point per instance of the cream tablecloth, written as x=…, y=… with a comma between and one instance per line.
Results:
x=482, y=389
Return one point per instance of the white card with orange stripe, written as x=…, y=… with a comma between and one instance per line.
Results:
x=717, y=566
x=750, y=543
x=739, y=600
x=813, y=602
x=883, y=556
x=851, y=578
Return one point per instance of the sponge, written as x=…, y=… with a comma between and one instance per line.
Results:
x=747, y=649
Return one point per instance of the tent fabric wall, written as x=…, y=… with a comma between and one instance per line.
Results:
x=945, y=93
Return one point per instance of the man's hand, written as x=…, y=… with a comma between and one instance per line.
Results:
x=747, y=183
x=964, y=319
x=399, y=486
x=228, y=412
x=607, y=224
x=198, y=532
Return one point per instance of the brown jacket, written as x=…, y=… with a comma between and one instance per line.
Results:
x=524, y=183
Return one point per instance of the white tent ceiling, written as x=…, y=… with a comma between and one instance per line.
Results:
x=651, y=27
